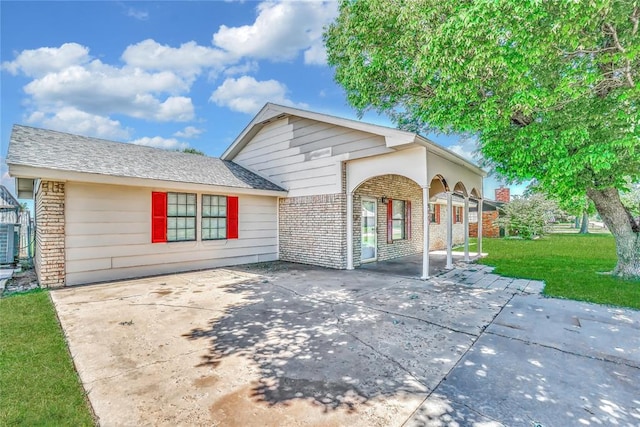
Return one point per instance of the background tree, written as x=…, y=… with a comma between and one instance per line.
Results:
x=191, y=150
x=528, y=217
x=551, y=88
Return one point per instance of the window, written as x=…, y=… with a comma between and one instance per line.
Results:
x=398, y=220
x=181, y=217
x=434, y=211
x=457, y=212
x=173, y=217
x=214, y=217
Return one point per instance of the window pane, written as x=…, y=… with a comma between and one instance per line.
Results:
x=190, y=234
x=182, y=198
x=172, y=210
x=191, y=210
x=398, y=229
x=172, y=198
x=171, y=235
x=398, y=209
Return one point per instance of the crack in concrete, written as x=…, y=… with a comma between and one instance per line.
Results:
x=573, y=353
x=444, y=378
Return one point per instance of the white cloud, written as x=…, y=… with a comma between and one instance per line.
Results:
x=160, y=142
x=140, y=15
x=188, y=132
x=247, y=95
x=281, y=30
x=247, y=67
x=45, y=60
x=189, y=59
x=466, y=147
x=66, y=77
x=71, y=120
x=316, y=54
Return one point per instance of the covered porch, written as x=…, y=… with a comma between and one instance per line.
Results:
x=405, y=204
x=411, y=265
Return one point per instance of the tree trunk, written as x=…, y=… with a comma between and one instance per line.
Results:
x=584, y=228
x=623, y=227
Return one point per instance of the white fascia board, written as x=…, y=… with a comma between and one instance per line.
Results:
x=22, y=171
x=432, y=147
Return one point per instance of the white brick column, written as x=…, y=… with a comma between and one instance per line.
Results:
x=480, y=216
x=349, y=231
x=466, y=229
x=425, y=233
x=449, y=265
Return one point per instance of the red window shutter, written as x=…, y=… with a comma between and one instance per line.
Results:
x=158, y=217
x=437, y=214
x=390, y=221
x=232, y=217
x=407, y=217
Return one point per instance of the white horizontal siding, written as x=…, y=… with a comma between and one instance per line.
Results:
x=304, y=156
x=108, y=235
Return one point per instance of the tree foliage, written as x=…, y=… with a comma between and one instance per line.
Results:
x=551, y=88
x=528, y=217
x=191, y=150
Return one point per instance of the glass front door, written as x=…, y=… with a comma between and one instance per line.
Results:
x=369, y=232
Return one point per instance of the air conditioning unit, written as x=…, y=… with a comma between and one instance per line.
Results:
x=9, y=241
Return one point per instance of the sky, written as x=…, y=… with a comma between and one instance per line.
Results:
x=168, y=74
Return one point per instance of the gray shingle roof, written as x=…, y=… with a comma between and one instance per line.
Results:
x=49, y=149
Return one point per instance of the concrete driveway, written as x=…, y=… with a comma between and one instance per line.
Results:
x=285, y=344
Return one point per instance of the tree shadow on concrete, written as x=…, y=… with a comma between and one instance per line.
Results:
x=303, y=349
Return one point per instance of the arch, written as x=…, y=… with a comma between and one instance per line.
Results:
x=359, y=184
x=459, y=188
x=438, y=185
x=475, y=193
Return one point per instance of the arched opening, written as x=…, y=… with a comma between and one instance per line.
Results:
x=387, y=214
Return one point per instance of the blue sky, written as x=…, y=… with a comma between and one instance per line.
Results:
x=167, y=74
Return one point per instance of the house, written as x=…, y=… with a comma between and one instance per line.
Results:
x=295, y=185
x=490, y=213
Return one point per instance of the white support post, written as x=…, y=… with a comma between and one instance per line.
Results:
x=425, y=233
x=479, y=228
x=466, y=229
x=349, y=231
x=449, y=265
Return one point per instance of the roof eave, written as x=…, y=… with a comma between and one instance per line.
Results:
x=33, y=172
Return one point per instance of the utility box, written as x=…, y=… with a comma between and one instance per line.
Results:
x=8, y=243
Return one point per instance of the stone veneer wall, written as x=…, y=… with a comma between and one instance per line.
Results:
x=488, y=227
x=394, y=187
x=50, y=256
x=313, y=230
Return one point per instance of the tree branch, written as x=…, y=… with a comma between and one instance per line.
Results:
x=635, y=18
x=614, y=34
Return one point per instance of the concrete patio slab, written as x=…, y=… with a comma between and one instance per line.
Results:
x=286, y=344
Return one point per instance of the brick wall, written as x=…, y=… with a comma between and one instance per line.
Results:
x=313, y=230
x=503, y=194
x=488, y=227
x=49, y=261
x=394, y=187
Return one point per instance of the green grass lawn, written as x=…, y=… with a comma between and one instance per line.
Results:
x=568, y=263
x=38, y=383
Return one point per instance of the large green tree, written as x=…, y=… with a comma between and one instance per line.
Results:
x=551, y=88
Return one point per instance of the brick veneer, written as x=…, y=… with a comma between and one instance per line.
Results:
x=50, y=255
x=503, y=194
x=489, y=229
x=313, y=230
